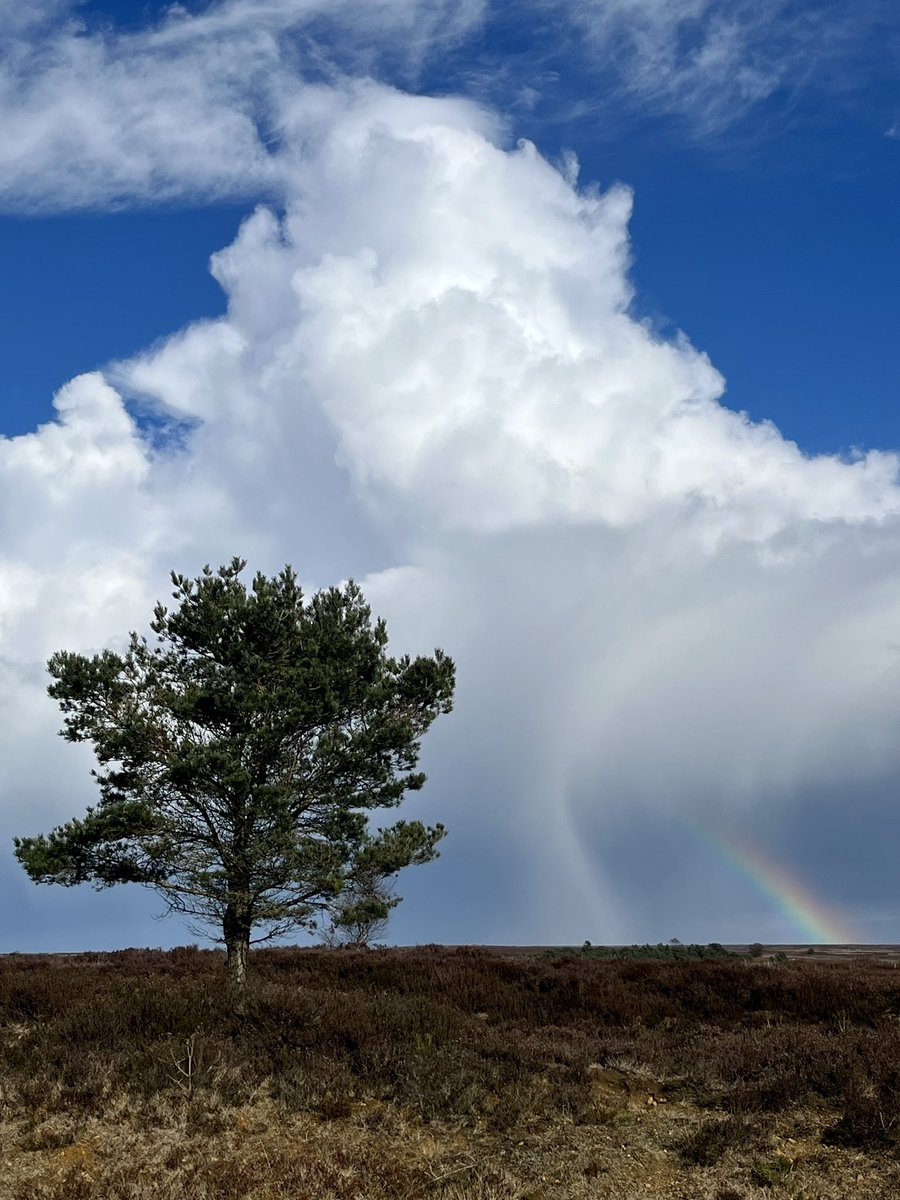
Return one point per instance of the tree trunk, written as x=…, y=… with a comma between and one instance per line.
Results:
x=236, y=927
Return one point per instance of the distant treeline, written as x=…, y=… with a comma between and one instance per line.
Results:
x=661, y=951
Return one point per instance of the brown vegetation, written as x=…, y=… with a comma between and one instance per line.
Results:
x=453, y=1074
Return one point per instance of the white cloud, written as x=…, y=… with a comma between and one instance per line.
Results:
x=707, y=60
x=16, y=19
x=479, y=363
x=194, y=105
x=94, y=119
x=429, y=375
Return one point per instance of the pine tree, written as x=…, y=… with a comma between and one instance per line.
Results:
x=240, y=752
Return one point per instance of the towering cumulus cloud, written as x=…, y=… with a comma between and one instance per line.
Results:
x=430, y=376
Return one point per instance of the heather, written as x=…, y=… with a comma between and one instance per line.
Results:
x=457, y=1073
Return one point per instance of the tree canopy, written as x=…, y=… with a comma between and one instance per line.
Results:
x=241, y=751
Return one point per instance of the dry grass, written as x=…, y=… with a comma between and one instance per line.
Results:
x=455, y=1075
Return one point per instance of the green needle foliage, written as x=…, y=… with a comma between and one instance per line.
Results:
x=240, y=752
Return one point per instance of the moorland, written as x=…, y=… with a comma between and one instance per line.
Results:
x=453, y=1073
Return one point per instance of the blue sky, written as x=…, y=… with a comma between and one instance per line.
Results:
x=344, y=379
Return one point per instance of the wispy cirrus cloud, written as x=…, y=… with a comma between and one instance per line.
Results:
x=706, y=61
x=196, y=105
x=704, y=67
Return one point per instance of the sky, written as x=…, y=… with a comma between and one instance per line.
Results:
x=568, y=329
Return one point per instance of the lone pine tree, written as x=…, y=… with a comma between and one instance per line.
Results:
x=240, y=752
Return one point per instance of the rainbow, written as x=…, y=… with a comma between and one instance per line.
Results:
x=793, y=898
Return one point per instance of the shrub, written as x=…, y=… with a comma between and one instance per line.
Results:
x=460, y=1034
x=706, y=1145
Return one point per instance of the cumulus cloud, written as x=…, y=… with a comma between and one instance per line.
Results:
x=429, y=376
